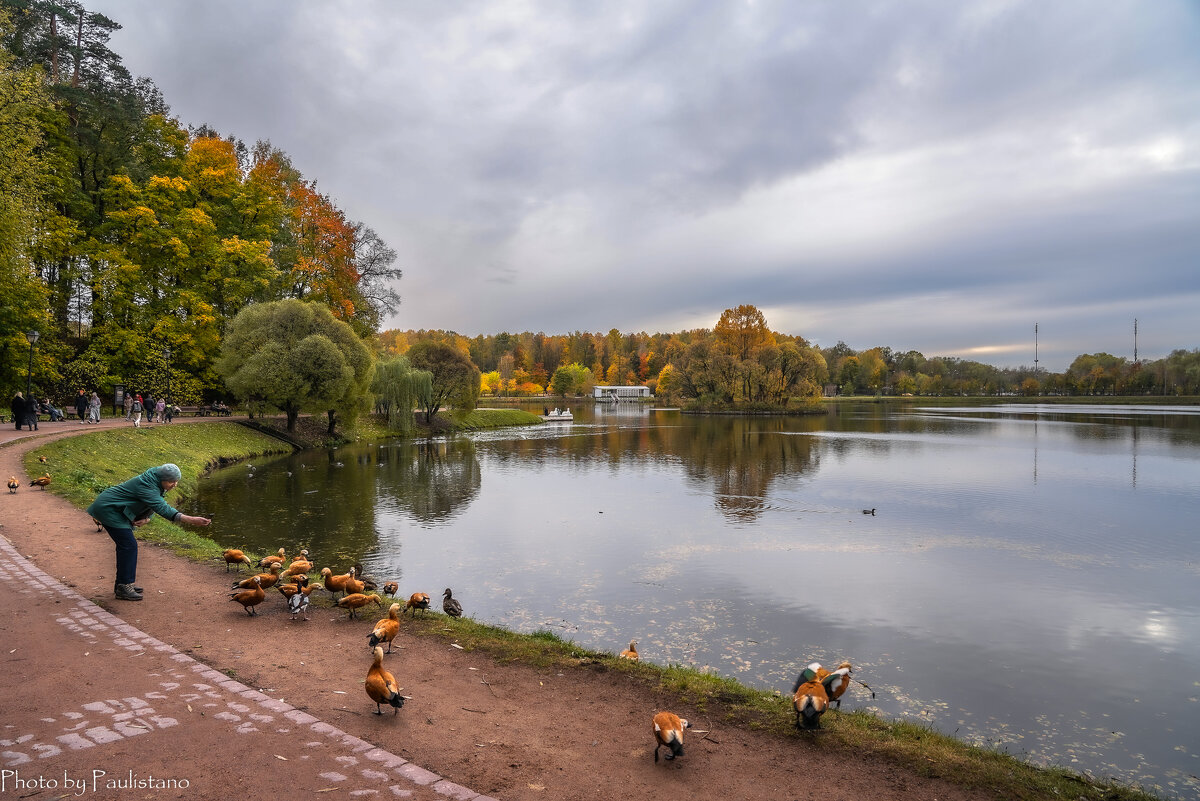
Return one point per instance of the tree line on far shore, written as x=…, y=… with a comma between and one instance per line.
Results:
x=709, y=367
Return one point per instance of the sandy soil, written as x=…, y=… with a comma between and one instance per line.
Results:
x=508, y=731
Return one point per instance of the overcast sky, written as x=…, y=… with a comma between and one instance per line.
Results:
x=937, y=176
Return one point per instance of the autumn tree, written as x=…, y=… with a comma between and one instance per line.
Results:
x=742, y=330
x=295, y=356
x=455, y=378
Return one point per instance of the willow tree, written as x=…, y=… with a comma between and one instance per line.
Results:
x=398, y=388
x=297, y=357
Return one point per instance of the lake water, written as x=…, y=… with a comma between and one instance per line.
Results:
x=1029, y=581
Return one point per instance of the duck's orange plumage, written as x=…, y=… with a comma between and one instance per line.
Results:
x=837, y=682
x=265, y=580
x=336, y=583
x=300, y=585
x=357, y=600
x=250, y=598
x=275, y=558
x=386, y=629
x=631, y=651
x=668, y=731
x=418, y=600
x=13, y=483
x=352, y=585
x=381, y=685
x=391, y=588
x=297, y=567
x=809, y=698
x=234, y=556
x=41, y=482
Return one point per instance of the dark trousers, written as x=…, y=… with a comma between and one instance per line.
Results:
x=126, y=553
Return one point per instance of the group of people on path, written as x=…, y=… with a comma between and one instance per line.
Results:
x=156, y=411
x=27, y=411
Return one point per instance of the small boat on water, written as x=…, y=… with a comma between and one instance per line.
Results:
x=558, y=415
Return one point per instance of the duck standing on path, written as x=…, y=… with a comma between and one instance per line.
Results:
x=668, y=731
x=234, y=556
x=450, y=606
x=250, y=598
x=357, y=600
x=13, y=484
x=381, y=685
x=265, y=580
x=418, y=600
x=386, y=629
x=277, y=558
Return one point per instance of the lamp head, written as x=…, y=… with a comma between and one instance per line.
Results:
x=32, y=336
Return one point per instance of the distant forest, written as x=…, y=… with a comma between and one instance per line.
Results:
x=704, y=364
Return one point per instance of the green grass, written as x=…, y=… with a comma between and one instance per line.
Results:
x=81, y=467
x=84, y=465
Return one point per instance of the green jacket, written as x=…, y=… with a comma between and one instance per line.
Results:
x=135, y=499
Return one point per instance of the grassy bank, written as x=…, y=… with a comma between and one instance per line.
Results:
x=82, y=466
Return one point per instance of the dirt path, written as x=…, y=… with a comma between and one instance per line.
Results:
x=508, y=732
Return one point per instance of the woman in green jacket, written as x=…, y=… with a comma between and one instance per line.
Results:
x=129, y=505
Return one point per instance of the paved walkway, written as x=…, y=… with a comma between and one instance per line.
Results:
x=95, y=708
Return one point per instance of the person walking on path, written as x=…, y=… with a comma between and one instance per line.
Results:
x=128, y=406
x=94, y=409
x=130, y=505
x=18, y=410
x=136, y=408
x=81, y=405
x=160, y=410
x=32, y=410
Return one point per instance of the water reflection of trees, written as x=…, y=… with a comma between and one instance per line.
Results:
x=738, y=459
x=318, y=500
x=741, y=458
x=433, y=481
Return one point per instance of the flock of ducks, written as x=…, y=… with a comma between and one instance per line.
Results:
x=291, y=580
x=42, y=481
x=815, y=690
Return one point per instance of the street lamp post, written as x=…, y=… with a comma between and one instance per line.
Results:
x=32, y=336
x=167, y=353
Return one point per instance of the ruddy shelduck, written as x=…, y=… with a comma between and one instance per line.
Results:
x=668, y=731
x=276, y=558
x=41, y=482
x=266, y=580
x=381, y=685
x=250, y=598
x=418, y=600
x=357, y=600
x=234, y=556
x=631, y=651
x=837, y=682
x=391, y=588
x=386, y=629
x=809, y=698
x=13, y=483
x=336, y=583
x=298, y=567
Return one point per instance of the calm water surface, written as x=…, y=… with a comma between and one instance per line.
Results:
x=1030, y=579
